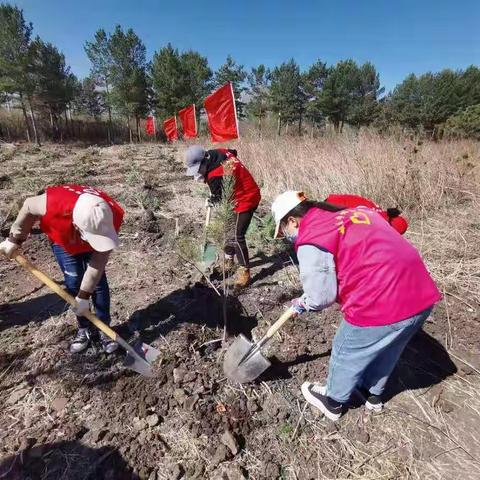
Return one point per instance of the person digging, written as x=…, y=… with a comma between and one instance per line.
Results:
x=82, y=224
x=211, y=166
x=354, y=257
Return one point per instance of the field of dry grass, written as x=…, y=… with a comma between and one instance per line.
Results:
x=430, y=427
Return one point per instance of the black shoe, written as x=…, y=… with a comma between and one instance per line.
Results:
x=108, y=345
x=81, y=341
x=372, y=402
x=315, y=394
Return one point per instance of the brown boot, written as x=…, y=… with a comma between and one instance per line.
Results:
x=242, y=278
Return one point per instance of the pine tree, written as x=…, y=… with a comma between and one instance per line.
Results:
x=258, y=104
x=230, y=71
x=100, y=56
x=287, y=94
x=178, y=79
x=130, y=93
x=15, y=34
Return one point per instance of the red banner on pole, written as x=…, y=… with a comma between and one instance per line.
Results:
x=170, y=129
x=189, y=121
x=222, y=114
x=150, y=126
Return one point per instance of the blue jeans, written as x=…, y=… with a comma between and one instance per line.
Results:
x=366, y=356
x=73, y=268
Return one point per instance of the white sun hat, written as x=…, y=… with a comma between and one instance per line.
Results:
x=285, y=202
x=93, y=216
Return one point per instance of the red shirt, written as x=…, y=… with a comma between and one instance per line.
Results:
x=245, y=191
x=57, y=222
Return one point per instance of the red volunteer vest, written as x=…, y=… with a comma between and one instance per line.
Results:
x=57, y=222
x=399, y=223
x=381, y=276
x=246, y=192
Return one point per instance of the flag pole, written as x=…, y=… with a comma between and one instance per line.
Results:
x=235, y=108
x=195, y=117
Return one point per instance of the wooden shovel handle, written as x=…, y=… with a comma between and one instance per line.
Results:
x=68, y=298
x=279, y=323
x=207, y=218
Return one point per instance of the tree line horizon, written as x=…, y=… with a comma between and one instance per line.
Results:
x=124, y=86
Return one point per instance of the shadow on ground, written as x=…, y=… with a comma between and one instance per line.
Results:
x=423, y=364
x=36, y=309
x=69, y=459
x=196, y=305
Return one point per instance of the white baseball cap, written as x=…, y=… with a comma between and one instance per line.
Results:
x=93, y=216
x=283, y=204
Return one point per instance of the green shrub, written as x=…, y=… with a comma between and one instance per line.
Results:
x=465, y=124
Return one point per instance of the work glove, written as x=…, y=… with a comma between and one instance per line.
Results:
x=82, y=307
x=9, y=249
x=208, y=202
x=298, y=307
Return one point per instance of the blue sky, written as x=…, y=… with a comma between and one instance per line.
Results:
x=398, y=36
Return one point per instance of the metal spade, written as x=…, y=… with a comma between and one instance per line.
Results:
x=244, y=361
x=208, y=250
x=139, y=357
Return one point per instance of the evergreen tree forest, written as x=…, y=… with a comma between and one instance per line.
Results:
x=124, y=86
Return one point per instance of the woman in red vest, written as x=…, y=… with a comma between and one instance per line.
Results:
x=354, y=257
x=211, y=167
x=82, y=224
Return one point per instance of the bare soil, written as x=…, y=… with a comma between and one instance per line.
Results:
x=85, y=416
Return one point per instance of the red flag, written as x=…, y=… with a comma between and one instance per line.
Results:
x=189, y=121
x=150, y=126
x=222, y=114
x=170, y=129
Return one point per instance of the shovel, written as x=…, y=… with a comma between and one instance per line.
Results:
x=244, y=361
x=209, y=251
x=138, y=358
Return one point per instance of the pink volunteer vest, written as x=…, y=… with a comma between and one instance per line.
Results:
x=381, y=276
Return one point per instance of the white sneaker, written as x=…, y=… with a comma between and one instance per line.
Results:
x=316, y=395
x=372, y=402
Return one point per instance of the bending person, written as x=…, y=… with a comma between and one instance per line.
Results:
x=211, y=167
x=380, y=281
x=82, y=224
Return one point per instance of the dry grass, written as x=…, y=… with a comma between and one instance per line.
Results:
x=391, y=171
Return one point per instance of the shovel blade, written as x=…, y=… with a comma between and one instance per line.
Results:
x=238, y=366
x=209, y=256
x=142, y=363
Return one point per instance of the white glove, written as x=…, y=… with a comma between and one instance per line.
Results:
x=83, y=306
x=9, y=249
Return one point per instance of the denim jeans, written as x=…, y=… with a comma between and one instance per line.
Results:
x=366, y=356
x=73, y=268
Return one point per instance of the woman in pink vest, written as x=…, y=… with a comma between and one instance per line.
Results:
x=82, y=224
x=353, y=256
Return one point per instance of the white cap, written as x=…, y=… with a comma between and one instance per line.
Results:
x=93, y=216
x=283, y=204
